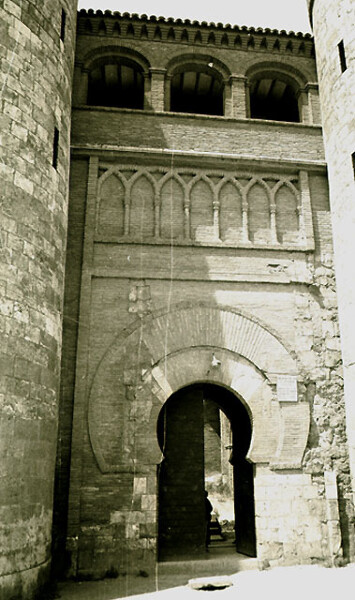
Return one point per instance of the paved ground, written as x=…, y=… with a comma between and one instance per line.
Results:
x=311, y=582
x=220, y=559
x=282, y=583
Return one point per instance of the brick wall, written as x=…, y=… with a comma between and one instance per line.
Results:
x=188, y=134
x=132, y=279
x=202, y=234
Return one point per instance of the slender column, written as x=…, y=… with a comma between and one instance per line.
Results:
x=245, y=222
x=305, y=202
x=228, y=99
x=167, y=99
x=313, y=102
x=157, y=89
x=157, y=220
x=273, y=228
x=216, y=206
x=239, y=96
x=126, y=214
x=300, y=218
x=187, y=231
x=304, y=107
x=247, y=99
x=147, y=92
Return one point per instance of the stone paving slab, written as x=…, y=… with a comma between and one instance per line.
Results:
x=281, y=583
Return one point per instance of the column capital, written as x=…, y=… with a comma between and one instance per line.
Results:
x=311, y=86
x=237, y=78
x=157, y=71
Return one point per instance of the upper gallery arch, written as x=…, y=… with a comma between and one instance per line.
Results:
x=116, y=77
x=275, y=92
x=196, y=84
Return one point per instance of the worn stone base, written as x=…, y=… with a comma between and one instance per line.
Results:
x=101, y=563
x=25, y=585
x=297, y=518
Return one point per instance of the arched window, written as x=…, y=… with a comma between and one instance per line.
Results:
x=274, y=96
x=197, y=89
x=116, y=82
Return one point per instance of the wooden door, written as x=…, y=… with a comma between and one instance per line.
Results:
x=244, y=507
x=181, y=476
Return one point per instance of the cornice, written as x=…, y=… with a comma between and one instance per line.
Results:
x=168, y=29
x=201, y=159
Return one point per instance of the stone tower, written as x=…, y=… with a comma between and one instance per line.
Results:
x=37, y=51
x=333, y=25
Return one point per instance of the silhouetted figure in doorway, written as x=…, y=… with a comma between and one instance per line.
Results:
x=208, y=512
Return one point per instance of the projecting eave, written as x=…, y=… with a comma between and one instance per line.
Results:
x=188, y=23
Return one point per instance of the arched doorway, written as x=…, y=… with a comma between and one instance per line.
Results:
x=204, y=432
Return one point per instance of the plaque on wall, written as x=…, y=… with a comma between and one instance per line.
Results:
x=287, y=388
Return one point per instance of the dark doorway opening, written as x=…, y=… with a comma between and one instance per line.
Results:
x=204, y=432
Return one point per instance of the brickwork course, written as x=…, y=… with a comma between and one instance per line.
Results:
x=197, y=250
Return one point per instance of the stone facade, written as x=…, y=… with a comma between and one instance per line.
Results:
x=37, y=54
x=333, y=24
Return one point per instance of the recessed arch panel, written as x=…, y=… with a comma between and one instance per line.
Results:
x=259, y=212
x=287, y=222
x=204, y=343
x=110, y=215
x=201, y=209
x=171, y=209
x=230, y=212
x=142, y=201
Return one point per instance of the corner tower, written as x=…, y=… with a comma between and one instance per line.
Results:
x=333, y=25
x=37, y=51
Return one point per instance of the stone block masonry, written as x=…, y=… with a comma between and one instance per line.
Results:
x=333, y=26
x=35, y=99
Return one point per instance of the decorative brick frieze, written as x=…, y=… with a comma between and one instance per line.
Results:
x=137, y=204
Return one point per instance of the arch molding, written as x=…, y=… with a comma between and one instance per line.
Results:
x=164, y=352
